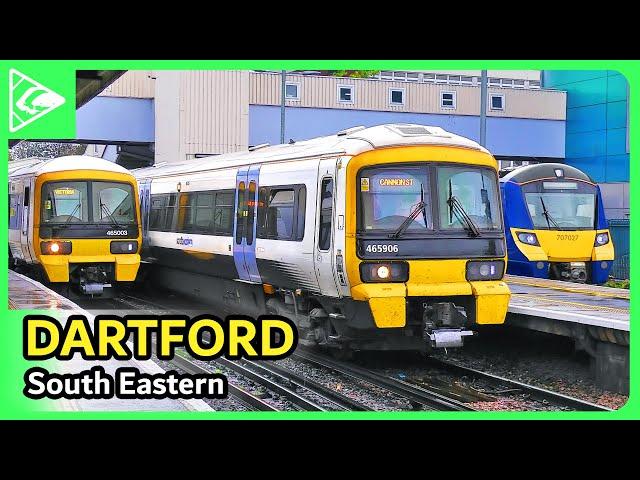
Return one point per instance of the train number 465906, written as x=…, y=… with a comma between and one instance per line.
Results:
x=382, y=248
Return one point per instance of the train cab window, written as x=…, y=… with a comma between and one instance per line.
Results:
x=326, y=214
x=113, y=202
x=65, y=202
x=27, y=193
x=281, y=213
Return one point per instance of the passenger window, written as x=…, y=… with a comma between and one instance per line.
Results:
x=326, y=214
x=157, y=214
x=223, y=216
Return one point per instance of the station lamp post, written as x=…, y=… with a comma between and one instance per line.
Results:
x=483, y=108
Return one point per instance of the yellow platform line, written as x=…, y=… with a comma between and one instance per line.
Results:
x=621, y=296
x=574, y=304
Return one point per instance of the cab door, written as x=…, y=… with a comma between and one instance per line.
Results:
x=26, y=237
x=324, y=262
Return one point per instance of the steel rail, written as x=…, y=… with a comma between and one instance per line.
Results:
x=536, y=392
x=414, y=393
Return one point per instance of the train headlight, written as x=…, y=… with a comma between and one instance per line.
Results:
x=528, y=238
x=384, y=272
x=601, y=239
x=124, y=247
x=55, y=248
x=489, y=270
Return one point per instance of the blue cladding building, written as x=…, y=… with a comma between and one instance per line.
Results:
x=597, y=142
x=597, y=130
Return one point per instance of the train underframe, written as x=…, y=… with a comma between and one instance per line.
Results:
x=85, y=279
x=341, y=324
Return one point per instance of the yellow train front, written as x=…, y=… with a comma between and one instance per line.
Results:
x=556, y=225
x=425, y=245
x=74, y=222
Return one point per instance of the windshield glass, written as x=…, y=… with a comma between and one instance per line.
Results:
x=88, y=202
x=476, y=191
x=388, y=195
x=569, y=205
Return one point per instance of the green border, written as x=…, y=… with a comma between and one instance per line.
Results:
x=13, y=405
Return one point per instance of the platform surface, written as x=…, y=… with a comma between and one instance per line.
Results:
x=569, y=302
x=27, y=294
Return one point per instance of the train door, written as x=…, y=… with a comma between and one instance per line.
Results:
x=244, y=228
x=25, y=237
x=323, y=251
x=145, y=207
x=15, y=219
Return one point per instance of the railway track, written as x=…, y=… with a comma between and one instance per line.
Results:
x=417, y=395
x=514, y=386
x=285, y=382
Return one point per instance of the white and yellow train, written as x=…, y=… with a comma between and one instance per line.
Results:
x=389, y=237
x=74, y=221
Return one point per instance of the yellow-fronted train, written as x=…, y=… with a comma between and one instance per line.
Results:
x=388, y=237
x=73, y=223
x=555, y=224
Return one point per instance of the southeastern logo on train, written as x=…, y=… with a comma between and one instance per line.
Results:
x=433, y=232
x=78, y=222
x=556, y=225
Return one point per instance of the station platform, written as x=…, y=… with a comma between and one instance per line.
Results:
x=595, y=317
x=590, y=305
x=27, y=294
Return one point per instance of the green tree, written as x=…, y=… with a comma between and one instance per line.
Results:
x=354, y=73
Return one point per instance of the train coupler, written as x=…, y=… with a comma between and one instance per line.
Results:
x=447, y=337
x=443, y=325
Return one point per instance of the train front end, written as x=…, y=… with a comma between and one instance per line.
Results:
x=426, y=249
x=86, y=229
x=556, y=225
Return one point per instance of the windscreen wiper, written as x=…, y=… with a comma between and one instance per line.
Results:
x=421, y=206
x=461, y=214
x=105, y=209
x=66, y=223
x=548, y=216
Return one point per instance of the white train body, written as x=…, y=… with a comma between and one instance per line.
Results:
x=288, y=248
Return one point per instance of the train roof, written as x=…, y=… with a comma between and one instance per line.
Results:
x=69, y=162
x=544, y=170
x=351, y=141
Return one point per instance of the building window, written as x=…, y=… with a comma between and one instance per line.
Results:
x=396, y=96
x=448, y=100
x=497, y=102
x=292, y=91
x=345, y=93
